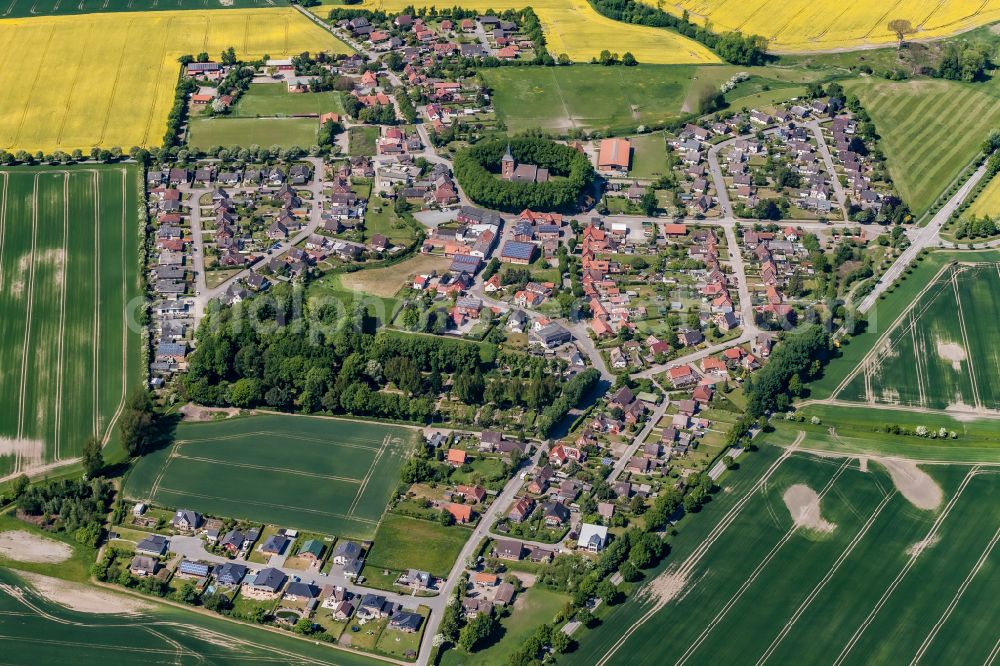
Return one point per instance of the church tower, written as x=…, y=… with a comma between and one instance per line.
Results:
x=507, y=165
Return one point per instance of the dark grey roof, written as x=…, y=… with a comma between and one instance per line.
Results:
x=270, y=578
x=230, y=573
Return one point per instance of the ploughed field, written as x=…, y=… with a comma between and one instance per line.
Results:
x=69, y=265
x=326, y=475
x=803, y=558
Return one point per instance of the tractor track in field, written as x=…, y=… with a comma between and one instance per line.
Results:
x=752, y=578
x=887, y=594
x=686, y=568
x=62, y=323
x=124, y=323
x=30, y=287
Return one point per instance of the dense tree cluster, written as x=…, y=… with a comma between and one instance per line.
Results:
x=75, y=506
x=477, y=169
x=733, y=47
x=801, y=355
x=964, y=61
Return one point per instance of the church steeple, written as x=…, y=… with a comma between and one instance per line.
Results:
x=507, y=164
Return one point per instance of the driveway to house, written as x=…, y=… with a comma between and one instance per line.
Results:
x=639, y=440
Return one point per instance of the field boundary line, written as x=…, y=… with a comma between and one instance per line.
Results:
x=30, y=288
x=752, y=578
x=266, y=468
x=124, y=322
x=698, y=553
x=955, y=599
x=269, y=504
x=821, y=585
x=60, y=377
x=853, y=640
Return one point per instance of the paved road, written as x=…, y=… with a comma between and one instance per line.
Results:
x=922, y=238
x=824, y=151
x=500, y=504
x=639, y=440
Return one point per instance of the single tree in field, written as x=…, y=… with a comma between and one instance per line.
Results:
x=93, y=457
x=902, y=28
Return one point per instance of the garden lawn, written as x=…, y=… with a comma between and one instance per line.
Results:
x=361, y=140
x=273, y=99
x=649, y=156
x=402, y=543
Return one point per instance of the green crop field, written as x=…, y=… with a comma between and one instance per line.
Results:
x=860, y=575
x=402, y=543
x=29, y=8
x=68, y=276
x=939, y=352
x=36, y=630
x=273, y=99
x=326, y=475
x=930, y=130
x=284, y=132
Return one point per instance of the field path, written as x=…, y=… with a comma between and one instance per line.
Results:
x=931, y=534
x=752, y=578
x=687, y=567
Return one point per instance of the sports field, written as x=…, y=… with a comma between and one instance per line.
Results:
x=108, y=79
x=68, y=274
x=939, y=353
x=326, y=475
x=37, y=630
x=285, y=132
x=807, y=559
x=930, y=130
x=988, y=202
x=29, y=8
x=806, y=25
x=573, y=27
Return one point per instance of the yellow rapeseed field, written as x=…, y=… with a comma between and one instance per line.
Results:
x=988, y=201
x=108, y=79
x=824, y=25
x=574, y=28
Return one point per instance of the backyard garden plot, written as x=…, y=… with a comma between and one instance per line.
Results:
x=804, y=559
x=108, y=79
x=326, y=475
x=573, y=27
x=68, y=272
x=930, y=130
x=940, y=352
x=805, y=25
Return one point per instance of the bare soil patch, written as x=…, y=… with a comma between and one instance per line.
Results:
x=951, y=352
x=82, y=598
x=30, y=450
x=923, y=545
x=193, y=412
x=913, y=483
x=803, y=505
x=24, y=546
x=665, y=588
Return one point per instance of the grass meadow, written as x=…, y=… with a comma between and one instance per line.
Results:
x=940, y=354
x=285, y=132
x=34, y=627
x=930, y=129
x=68, y=270
x=404, y=543
x=325, y=475
x=743, y=584
x=803, y=25
x=649, y=156
x=108, y=79
x=273, y=99
x=573, y=27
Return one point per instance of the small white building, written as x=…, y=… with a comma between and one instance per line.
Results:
x=592, y=537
